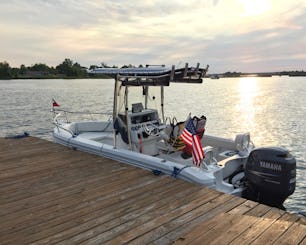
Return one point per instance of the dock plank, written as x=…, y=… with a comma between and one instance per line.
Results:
x=153, y=228
x=53, y=208
x=53, y=194
x=223, y=204
x=190, y=219
x=111, y=210
x=271, y=234
x=213, y=234
x=170, y=206
x=295, y=234
x=74, y=223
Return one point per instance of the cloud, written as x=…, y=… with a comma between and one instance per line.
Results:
x=229, y=34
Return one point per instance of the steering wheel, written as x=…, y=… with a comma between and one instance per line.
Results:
x=150, y=129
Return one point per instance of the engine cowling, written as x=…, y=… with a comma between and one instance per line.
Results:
x=270, y=175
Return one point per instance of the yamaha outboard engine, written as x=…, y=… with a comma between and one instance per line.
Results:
x=270, y=176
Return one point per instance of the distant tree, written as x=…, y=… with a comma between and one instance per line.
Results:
x=14, y=72
x=5, y=70
x=70, y=69
x=23, y=70
x=65, y=68
x=40, y=67
x=52, y=70
x=232, y=74
x=78, y=70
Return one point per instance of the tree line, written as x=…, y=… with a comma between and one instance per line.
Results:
x=67, y=69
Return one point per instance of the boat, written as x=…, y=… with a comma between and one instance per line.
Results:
x=141, y=135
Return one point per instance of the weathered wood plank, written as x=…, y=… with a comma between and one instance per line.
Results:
x=112, y=215
x=258, y=211
x=198, y=230
x=294, y=235
x=67, y=165
x=106, y=209
x=65, y=191
x=272, y=233
x=220, y=205
x=254, y=231
x=53, y=194
x=166, y=208
x=90, y=216
x=234, y=229
x=220, y=229
x=244, y=207
x=22, y=190
x=67, y=208
x=156, y=227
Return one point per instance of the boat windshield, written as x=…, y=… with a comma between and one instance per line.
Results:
x=140, y=98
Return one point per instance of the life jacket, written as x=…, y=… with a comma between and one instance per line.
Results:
x=175, y=139
x=177, y=128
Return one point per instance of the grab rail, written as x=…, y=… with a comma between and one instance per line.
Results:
x=66, y=112
x=57, y=124
x=58, y=113
x=80, y=113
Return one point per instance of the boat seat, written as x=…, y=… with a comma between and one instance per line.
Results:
x=96, y=136
x=208, y=151
x=91, y=126
x=242, y=143
x=166, y=147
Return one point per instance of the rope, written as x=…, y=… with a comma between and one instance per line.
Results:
x=83, y=112
x=176, y=171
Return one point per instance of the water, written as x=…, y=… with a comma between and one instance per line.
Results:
x=272, y=109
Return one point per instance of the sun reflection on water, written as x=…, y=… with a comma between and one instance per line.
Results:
x=246, y=106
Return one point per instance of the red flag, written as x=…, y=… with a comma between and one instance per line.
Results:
x=190, y=138
x=54, y=103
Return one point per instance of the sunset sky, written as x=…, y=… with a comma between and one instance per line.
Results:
x=229, y=35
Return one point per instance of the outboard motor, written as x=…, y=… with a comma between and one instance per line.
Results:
x=270, y=176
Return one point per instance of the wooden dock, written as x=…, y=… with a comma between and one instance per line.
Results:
x=52, y=194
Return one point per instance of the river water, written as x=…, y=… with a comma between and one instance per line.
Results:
x=272, y=109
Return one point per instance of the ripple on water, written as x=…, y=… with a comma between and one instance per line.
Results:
x=272, y=109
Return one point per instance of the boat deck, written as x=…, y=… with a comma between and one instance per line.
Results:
x=52, y=194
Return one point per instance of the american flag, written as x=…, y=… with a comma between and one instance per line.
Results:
x=190, y=138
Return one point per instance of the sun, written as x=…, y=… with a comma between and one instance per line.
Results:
x=255, y=7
